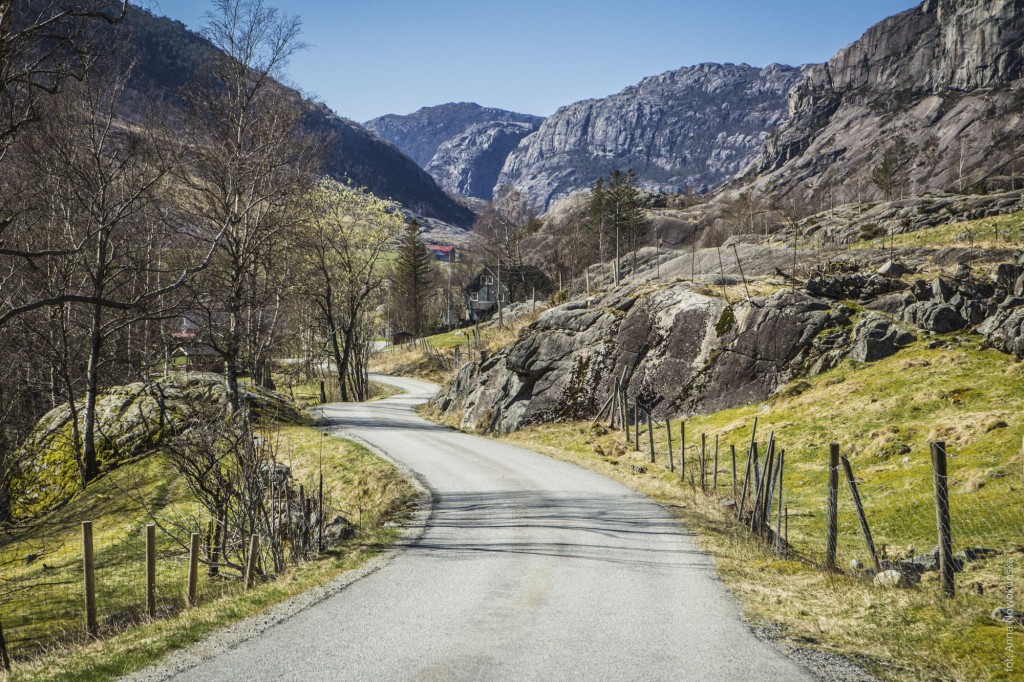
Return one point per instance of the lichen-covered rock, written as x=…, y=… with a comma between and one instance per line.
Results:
x=131, y=420
x=875, y=337
x=1005, y=331
x=678, y=350
x=934, y=316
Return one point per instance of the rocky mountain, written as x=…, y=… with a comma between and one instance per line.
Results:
x=681, y=348
x=938, y=86
x=469, y=163
x=421, y=133
x=692, y=128
x=171, y=57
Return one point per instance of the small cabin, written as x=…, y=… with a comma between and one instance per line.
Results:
x=505, y=284
x=442, y=253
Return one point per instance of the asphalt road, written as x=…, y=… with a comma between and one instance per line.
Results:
x=528, y=569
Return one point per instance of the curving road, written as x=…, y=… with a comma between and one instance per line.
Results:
x=528, y=569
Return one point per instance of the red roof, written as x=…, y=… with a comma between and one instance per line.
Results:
x=440, y=249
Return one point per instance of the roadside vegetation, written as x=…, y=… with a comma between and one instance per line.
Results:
x=883, y=415
x=362, y=487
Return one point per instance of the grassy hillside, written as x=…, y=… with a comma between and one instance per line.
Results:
x=883, y=415
x=44, y=622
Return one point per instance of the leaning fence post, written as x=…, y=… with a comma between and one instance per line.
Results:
x=193, y=570
x=865, y=530
x=732, y=449
x=250, y=565
x=668, y=431
x=91, y=626
x=151, y=570
x=682, y=451
x=832, y=510
x=715, y=475
x=650, y=435
x=942, y=519
x=5, y=659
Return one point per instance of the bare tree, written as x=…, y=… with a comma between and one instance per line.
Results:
x=250, y=167
x=344, y=243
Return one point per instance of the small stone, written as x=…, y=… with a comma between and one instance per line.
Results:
x=1008, y=616
x=727, y=503
x=638, y=469
x=892, y=579
x=856, y=565
x=893, y=268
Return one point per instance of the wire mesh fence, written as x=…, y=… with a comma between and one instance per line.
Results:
x=887, y=511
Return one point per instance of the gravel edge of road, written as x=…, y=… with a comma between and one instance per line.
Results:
x=235, y=634
x=826, y=666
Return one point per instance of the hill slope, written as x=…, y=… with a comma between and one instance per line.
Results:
x=691, y=128
x=171, y=57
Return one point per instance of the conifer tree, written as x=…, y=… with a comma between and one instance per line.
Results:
x=412, y=281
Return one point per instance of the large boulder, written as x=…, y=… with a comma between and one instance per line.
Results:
x=934, y=316
x=131, y=420
x=875, y=337
x=1005, y=331
x=679, y=350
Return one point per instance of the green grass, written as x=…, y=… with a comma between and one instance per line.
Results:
x=44, y=625
x=883, y=415
x=1006, y=231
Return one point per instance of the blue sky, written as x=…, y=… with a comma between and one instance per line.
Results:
x=374, y=57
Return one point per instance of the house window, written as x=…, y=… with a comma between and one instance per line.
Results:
x=488, y=281
x=474, y=296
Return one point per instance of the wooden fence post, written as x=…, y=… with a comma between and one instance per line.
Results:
x=91, y=625
x=779, y=546
x=832, y=510
x=671, y=460
x=650, y=435
x=715, y=475
x=250, y=565
x=703, y=465
x=636, y=424
x=864, y=528
x=193, y=571
x=682, y=451
x=5, y=659
x=732, y=449
x=942, y=519
x=623, y=412
x=151, y=570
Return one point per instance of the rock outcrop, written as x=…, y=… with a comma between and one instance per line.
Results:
x=130, y=421
x=680, y=352
x=687, y=129
x=469, y=163
x=421, y=133
x=940, y=85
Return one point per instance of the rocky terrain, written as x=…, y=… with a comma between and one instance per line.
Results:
x=688, y=129
x=469, y=163
x=940, y=85
x=687, y=347
x=462, y=145
x=131, y=420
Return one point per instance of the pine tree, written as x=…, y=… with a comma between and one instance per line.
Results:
x=412, y=281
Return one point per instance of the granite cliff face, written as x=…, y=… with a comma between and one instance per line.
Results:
x=681, y=352
x=941, y=84
x=469, y=163
x=421, y=133
x=690, y=128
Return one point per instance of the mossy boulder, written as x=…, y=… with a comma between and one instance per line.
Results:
x=131, y=422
